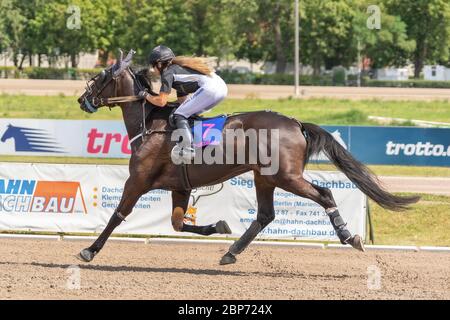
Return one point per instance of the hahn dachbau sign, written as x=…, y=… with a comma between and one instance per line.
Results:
x=82, y=198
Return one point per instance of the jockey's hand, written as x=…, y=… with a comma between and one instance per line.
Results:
x=143, y=95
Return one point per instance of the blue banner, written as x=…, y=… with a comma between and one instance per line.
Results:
x=395, y=145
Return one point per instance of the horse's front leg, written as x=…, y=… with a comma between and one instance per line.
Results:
x=133, y=190
x=180, y=201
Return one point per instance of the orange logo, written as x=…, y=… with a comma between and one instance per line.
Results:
x=56, y=196
x=190, y=216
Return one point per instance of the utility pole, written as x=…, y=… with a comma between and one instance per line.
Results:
x=297, y=49
x=359, y=64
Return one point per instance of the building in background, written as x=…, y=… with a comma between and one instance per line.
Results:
x=392, y=74
x=436, y=73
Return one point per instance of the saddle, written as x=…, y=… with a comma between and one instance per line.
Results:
x=205, y=130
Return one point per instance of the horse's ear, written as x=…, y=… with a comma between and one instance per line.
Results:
x=124, y=63
x=120, y=56
x=129, y=57
x=117, y=70
x=119, y=61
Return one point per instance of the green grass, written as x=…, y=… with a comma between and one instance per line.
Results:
x=320, y=111
x=426, y=223
x=412, y=171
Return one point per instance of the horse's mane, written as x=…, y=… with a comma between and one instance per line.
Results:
x=144, y=78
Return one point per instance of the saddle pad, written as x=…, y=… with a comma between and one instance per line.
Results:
x=208, y=131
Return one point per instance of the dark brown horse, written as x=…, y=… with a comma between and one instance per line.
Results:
x=151, y=166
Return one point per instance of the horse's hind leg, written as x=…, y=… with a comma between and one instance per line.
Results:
x=132, y=192
x=266, y=214
x=324, y=197
x=180, y=201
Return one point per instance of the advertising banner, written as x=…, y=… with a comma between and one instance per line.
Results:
x=395, y=145
x=64, y=138
x=81, y=198
x=109, y=139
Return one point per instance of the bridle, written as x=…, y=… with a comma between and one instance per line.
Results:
x=97, y=102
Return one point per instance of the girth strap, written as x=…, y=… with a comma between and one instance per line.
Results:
x=185, y=177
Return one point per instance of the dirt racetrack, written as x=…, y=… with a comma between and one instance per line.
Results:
x=37, y=269
x=76, y=88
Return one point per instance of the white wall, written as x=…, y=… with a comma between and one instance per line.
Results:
x=392, y=74
x=436, y=73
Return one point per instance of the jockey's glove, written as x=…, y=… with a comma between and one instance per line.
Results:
x=143, y=94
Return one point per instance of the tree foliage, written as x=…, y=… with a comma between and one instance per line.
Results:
x=428, y=23
x=257, y=30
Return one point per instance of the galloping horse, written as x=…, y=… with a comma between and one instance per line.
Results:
x=151, y=166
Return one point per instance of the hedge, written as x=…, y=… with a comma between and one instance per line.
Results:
x=232, y=77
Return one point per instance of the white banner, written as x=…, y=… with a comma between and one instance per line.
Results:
x=81, y=198
x=65, y=138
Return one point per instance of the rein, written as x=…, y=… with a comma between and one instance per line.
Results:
x=114, y=100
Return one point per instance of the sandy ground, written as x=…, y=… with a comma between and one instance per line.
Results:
x=38, y=269
x=417, y=184
x=76, y=88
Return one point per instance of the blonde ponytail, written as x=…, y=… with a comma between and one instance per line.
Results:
x=197, y=64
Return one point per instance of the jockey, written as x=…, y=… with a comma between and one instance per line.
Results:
x=187, y=76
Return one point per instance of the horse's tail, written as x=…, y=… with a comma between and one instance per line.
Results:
x=320, y=140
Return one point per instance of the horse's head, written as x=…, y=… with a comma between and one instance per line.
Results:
x=7, y=134
x=105, y=84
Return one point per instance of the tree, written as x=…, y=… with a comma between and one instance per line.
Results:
x=388, y=46
x=213, y=27
x=14, y=21
x=265, y=28
x=428, y=24
x=326, y=33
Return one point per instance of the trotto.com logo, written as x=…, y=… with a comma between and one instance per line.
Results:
x=426, y=149
x=41, y=196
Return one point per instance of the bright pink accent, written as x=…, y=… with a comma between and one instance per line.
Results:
x=209, y=127
x=92, y=136
x=125, y=143
x=109, y=137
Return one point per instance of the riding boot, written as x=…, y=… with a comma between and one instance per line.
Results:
x=183, y=149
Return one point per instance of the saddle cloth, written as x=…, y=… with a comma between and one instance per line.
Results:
x=207, y=131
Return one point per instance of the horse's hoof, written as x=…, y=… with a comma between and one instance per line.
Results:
x=357, y=243
x=86, y=255
x=228, y=258
x=222, y=227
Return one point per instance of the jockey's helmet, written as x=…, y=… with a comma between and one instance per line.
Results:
x=160, y=54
